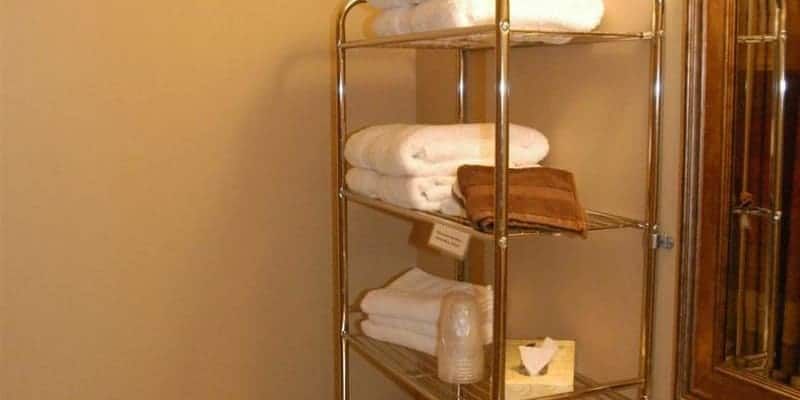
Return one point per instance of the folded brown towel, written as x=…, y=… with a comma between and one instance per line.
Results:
x=539, y=198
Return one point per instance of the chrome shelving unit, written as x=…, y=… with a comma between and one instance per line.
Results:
x=416, y=370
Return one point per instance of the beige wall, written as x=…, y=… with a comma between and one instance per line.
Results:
x=165, y=211
x=166, y=208
x=592, y=103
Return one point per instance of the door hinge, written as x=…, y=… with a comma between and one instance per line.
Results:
x=662, y=241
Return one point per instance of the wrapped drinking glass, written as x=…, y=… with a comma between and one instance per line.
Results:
x=460, y=348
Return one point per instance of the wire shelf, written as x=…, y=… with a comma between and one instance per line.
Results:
x=483, y=37
x=418, y=372
x=597, y=221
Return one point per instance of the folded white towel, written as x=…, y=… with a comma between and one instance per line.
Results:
x=399, y=337
x=363, y=181
x=420, y=328
x=428, y=329
x=389, y=4
x=420, y=193
x=548, y=15
x=451, y=206
x=393, y=21
x=438, y=150
x=417, y=296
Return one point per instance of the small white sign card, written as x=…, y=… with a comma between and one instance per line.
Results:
x=451, y=241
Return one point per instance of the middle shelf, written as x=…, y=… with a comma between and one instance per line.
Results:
x=597, y=221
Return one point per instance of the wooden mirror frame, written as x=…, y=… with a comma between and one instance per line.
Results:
x=710, y=41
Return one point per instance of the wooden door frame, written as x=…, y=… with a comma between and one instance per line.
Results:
x=710, y=52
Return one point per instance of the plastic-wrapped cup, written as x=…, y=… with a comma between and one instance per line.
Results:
x=460, y=348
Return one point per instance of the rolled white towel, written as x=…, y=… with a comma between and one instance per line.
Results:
x=389, y=4
x=444, y=14
x=438, y=150
x=549, y=15
x=417, y=296
x=393, y=21
x=399, y=337
x=427, y=193
x=363, y=181
x=451, y=206
x=428, y=329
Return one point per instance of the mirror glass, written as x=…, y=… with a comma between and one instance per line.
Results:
x=762, y=321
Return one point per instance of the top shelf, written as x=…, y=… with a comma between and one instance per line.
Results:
x=483, y=37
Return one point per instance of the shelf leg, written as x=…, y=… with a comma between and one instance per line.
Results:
x=342, y=281
x=462, y=269
x=653, y=196
x=502, y=54
x=461, y=93
x=342, y=239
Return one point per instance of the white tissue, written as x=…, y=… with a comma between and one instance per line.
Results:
x=535, y=359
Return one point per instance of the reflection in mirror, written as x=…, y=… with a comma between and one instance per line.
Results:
x=763, y=279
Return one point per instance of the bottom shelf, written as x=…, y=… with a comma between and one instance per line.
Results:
x=418, y=372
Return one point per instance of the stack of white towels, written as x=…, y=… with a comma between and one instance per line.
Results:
x=414, y=166
x=399, y=17
x=406, y=312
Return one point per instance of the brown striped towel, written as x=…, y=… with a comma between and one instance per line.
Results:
x=539, y=198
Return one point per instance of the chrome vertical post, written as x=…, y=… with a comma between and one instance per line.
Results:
x=342, y=298
x=502, y=50
x=462, y=85
x=462, y=271
x=653, y=192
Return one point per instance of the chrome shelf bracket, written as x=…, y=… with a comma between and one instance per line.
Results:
x=662, y=241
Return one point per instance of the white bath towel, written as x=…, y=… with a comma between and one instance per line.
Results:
x=417, y=296
x=431, y=193
x=548, y=15
x=393, y=21
x=363, y=181
x=452, y=206
x=399, y=337
x=438, y=150
x=428, y=329
x=420, y=328
x=389, y=4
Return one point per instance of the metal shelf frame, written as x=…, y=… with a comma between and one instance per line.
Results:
x=502, y=38
x=482, y=37
x=419, y=372
x=597, y=221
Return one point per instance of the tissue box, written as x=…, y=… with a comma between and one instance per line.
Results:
x=559, y=377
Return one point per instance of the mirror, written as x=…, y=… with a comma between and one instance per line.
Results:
x=762, y=283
